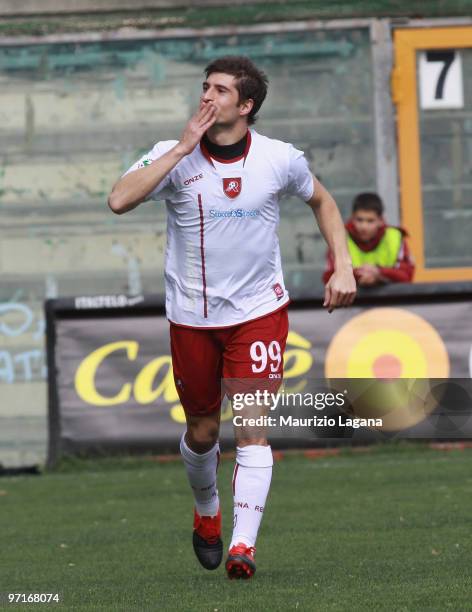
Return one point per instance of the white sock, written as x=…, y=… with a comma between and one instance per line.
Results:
x=201, y=472
x=251, y=482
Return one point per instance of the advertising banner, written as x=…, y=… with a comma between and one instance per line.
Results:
x=111, y=384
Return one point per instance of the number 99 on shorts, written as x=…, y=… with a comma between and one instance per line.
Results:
x=262, y=355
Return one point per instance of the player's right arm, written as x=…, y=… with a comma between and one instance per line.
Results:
x=133, y=188
x=340, y=289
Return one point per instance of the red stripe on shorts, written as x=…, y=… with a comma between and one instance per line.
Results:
x=202, y=256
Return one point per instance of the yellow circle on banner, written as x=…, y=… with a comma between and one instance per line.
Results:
x=387, y=343
x=384, y=360
x=387, y=353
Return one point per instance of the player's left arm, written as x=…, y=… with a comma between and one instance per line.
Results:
x=340, y=290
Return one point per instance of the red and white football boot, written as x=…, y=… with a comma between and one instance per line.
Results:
x=240, y=562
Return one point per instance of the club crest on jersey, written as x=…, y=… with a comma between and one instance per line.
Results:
x=279, y=292
x=232, y=187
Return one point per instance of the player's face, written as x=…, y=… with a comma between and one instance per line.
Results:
x=220, y=89
x=367, y=224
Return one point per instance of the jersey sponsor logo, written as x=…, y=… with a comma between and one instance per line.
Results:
x=233, y=213
x=193, y=179
x=232, y=186
x=279, y=292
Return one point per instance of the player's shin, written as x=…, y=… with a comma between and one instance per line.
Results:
x=201, y=471
x=251, y=483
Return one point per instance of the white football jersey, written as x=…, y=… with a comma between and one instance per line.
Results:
x=223, y=262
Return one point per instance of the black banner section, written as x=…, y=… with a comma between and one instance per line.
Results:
x=111, y=385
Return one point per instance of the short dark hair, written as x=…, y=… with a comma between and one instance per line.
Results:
x=368, y=201
x=251, y=82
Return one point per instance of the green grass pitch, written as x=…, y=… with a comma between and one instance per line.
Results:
x=384, y=530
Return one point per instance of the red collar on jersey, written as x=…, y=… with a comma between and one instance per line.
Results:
x=210, y=158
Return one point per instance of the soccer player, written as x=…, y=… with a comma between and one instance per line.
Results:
x=225, y=296
x=379, y=252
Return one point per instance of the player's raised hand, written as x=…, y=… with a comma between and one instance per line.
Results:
x=340, y=290
x=203, y=119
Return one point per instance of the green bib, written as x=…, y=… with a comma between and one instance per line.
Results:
x=385, y=253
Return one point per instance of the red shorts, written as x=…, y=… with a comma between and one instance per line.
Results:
x=208, y=363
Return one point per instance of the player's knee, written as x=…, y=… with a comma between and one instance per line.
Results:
x=202, y=436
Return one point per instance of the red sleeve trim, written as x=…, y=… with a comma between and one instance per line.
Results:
x=396, y=275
